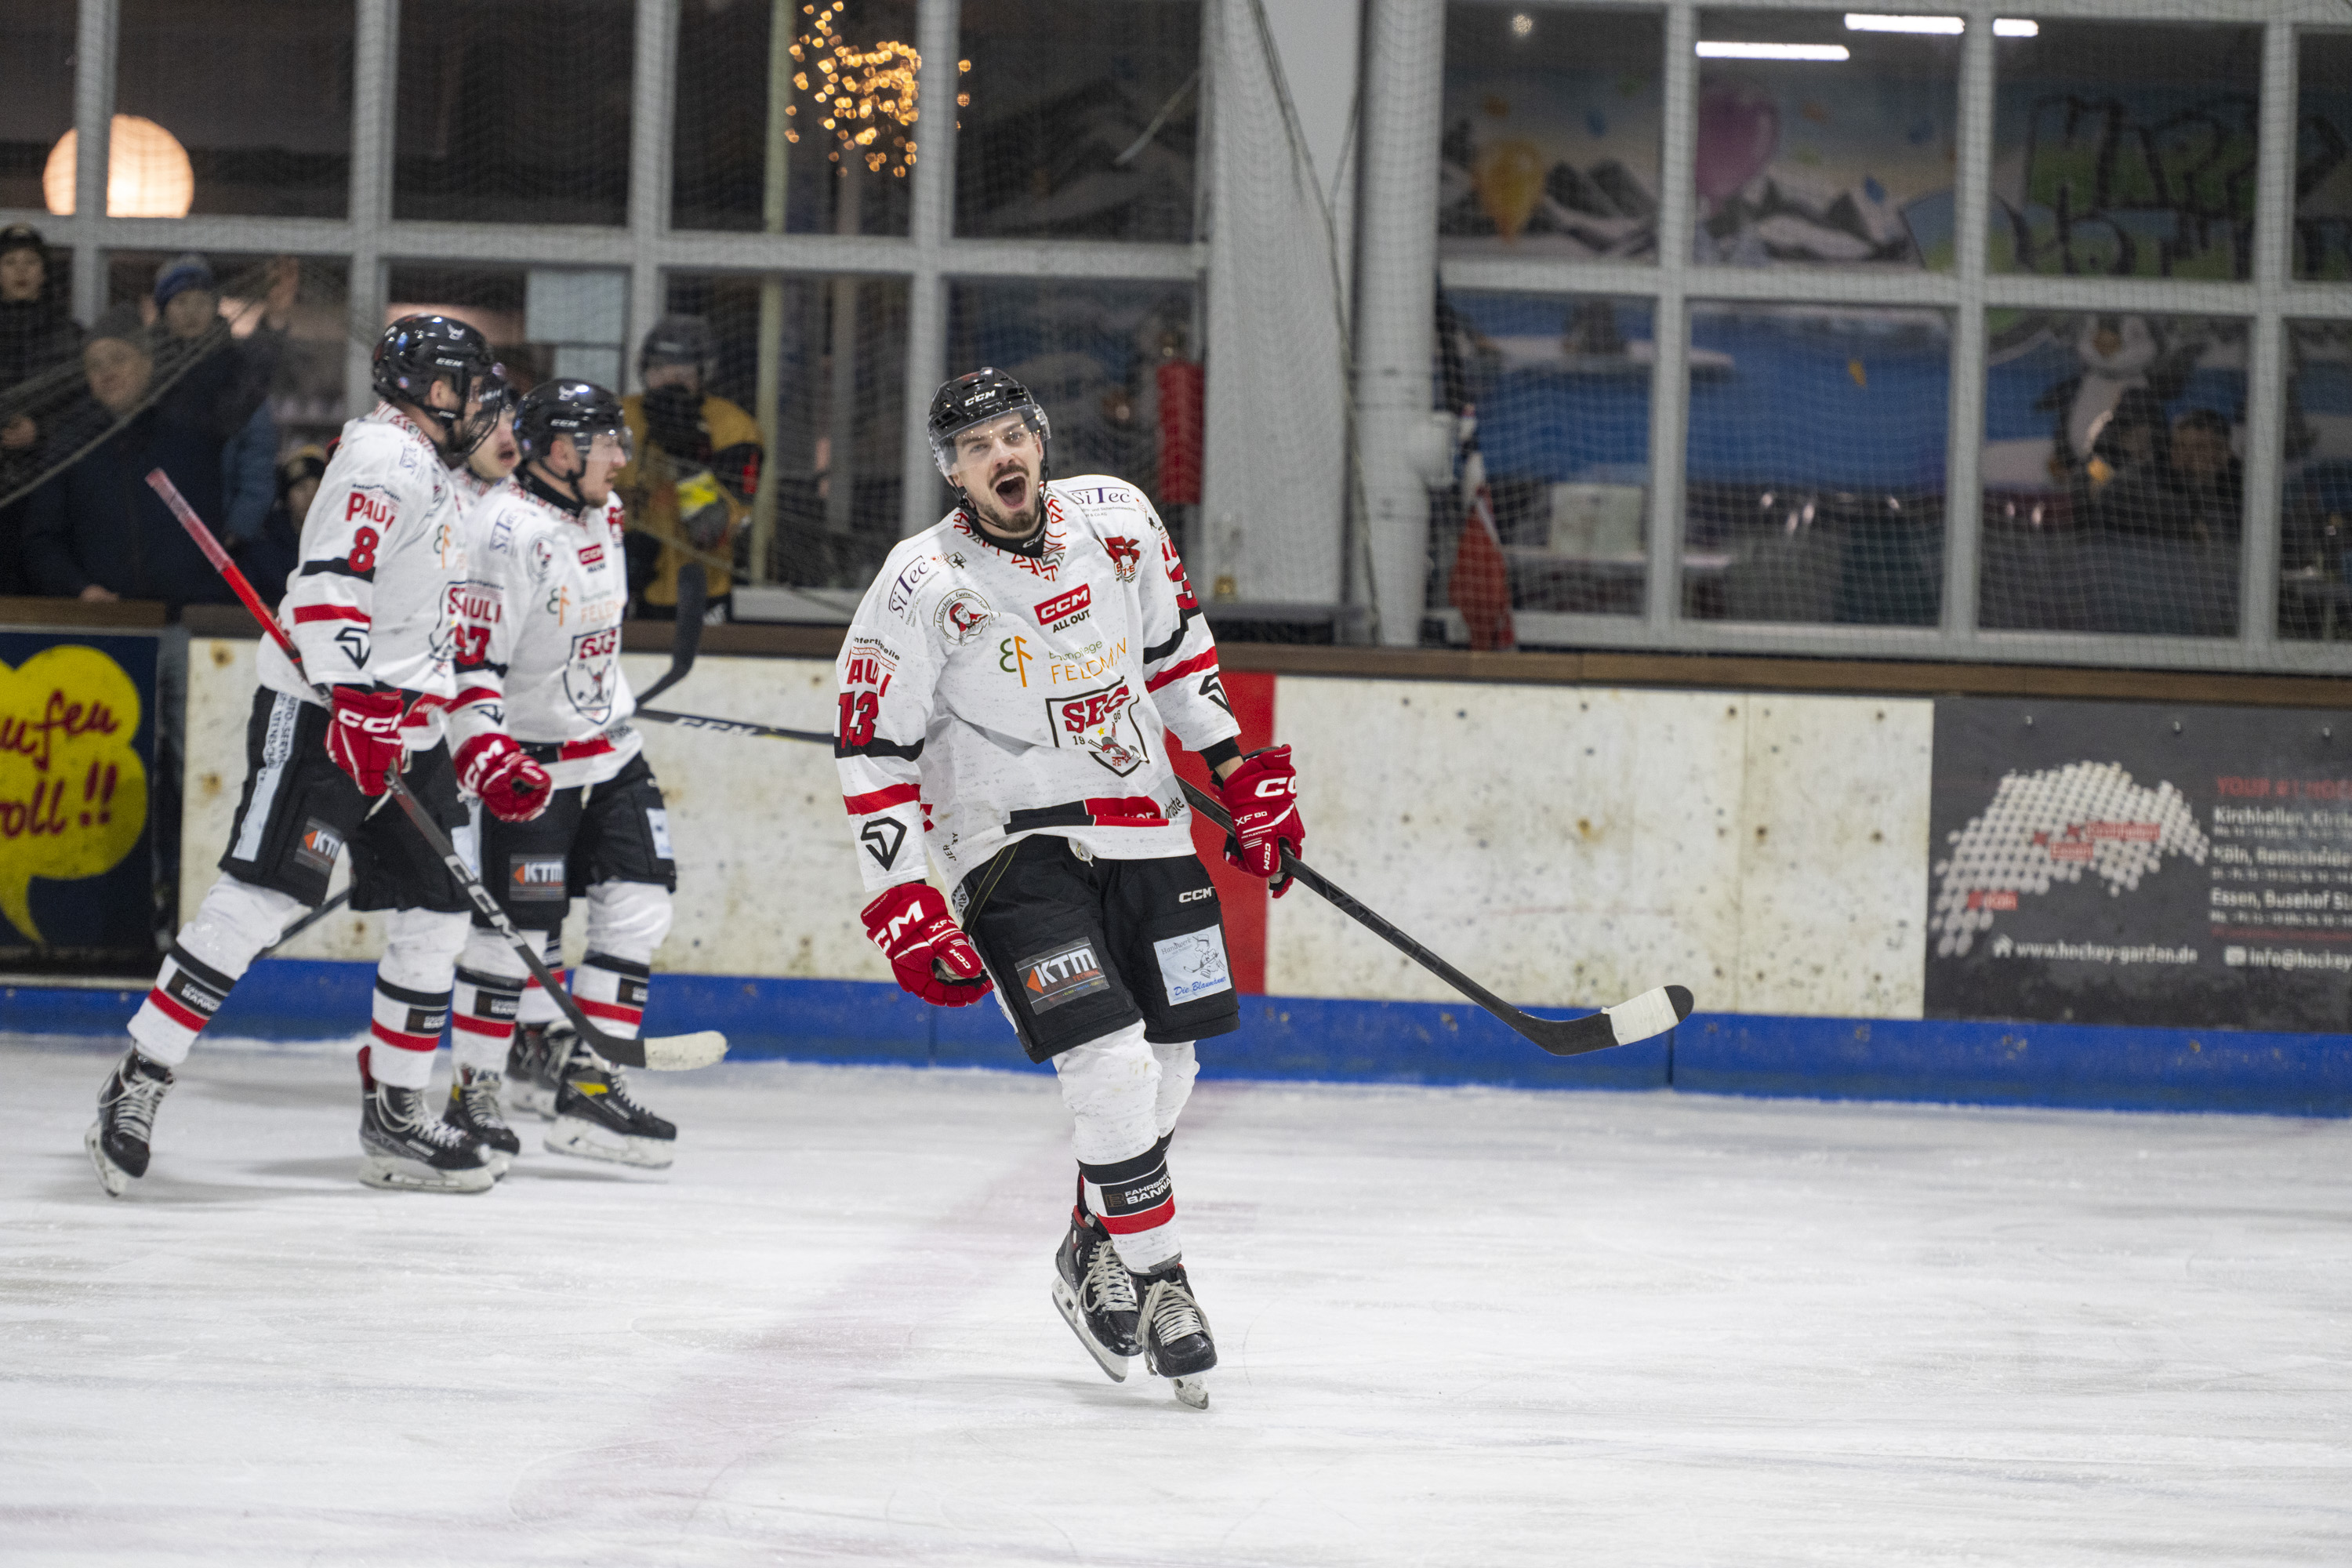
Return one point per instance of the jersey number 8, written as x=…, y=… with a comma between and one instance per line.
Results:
x=363, y=542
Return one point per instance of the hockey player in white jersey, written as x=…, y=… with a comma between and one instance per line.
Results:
x=1003, y=693
x=488, y=465
x=539, y=672
x=372, y=608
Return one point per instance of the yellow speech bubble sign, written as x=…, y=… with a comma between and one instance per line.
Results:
x=73, y=794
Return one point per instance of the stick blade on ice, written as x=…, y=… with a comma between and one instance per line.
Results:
x=1651, y=1014
x=683, y=1053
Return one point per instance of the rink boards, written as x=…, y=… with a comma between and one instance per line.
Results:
x=1569, y=845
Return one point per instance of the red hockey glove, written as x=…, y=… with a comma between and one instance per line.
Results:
x=364, y=737
x=1262, y=797
x=909, y=924
x=512, y=786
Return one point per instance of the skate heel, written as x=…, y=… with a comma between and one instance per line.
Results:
x=1066, y=1301
x=111, y=1176
x=404, y=1173
x=1193, y=1392
x=585, y=1140
x=597, y=1117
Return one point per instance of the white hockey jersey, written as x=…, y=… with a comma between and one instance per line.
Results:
x=373, y=597
x=987, y=694
x=541, y=639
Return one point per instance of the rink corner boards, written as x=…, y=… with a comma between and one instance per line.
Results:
x=1329, y=1040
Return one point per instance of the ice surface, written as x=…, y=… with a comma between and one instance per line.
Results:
x=1457, y=1326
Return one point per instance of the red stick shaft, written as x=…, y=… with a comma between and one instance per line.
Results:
x=214, y=552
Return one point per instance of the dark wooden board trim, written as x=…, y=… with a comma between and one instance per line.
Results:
x=1714, y=672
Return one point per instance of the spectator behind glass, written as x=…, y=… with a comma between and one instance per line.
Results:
x=37, y=334
x=2207, y=477
x=229, y=386
x=697, y=465
x=269, y=556
x=96, y=532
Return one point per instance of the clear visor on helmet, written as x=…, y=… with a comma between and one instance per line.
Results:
x=1010, y=430
x=613, y=441
x=482, y=402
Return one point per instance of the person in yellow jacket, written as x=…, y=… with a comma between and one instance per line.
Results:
x=697, y=465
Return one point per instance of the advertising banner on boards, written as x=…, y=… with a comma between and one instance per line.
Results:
x=77, y=873
x=2132, y=863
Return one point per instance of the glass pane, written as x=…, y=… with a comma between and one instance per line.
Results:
x=306, y=389
x=1552, y=131
x=2114, y=496
x=2124, y=149
x=543, y=321
x=1841, y=159
x=724, y=73
x=1090, y=352
x=514, y=112
x=36, y=89
x=2315, y=520
x=2322, y=158
x=258, y=91
x=838, y=354
x=1814, y=475
x=1078, y=118
x=1560, y=386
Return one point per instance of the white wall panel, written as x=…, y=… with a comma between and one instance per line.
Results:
x=1833, y=857
x=1564, y=845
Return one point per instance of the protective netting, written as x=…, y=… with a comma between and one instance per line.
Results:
x=1078, y=121
x=513, y=111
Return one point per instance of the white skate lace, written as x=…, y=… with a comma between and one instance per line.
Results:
x=1107, y=1287
x=480, y=1096
x=1172, y=1313
x=405, y=1113
x=136, y=1097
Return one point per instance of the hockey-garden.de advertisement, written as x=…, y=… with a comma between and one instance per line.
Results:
x=2131, y=863
x=77, y=750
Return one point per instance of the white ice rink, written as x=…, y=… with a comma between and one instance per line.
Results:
x=1458, y=1326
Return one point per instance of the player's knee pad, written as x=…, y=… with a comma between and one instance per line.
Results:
x=235, y=922
x=628, y=919
x=421, y=948
x=1110, y=1086
x=1178, y=1069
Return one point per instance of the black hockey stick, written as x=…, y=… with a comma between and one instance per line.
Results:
x=734, y=727
x=1651, y=1013
x=662, y=1053
x=693, y=598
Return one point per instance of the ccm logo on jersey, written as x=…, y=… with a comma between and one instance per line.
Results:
x=591, y=556
x=1062, y=974
x=1066, y=609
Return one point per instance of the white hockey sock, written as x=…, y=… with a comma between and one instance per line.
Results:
x=413, y=984
x=1113, y=1087
x=613, y=992
x=482, y=1024
x=211, y=955
x=536, y=1006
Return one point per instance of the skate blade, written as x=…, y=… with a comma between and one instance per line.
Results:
x=111, y=1176
x=572, y=1136
x=1192, y=1393
x=1114, y=1366
x=500, y=1164
x=412, y=1176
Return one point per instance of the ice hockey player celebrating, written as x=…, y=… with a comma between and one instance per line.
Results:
x=370, y=607
x=541, y=670
x=1004, y=691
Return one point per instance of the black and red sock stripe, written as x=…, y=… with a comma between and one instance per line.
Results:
x=1130, y=1195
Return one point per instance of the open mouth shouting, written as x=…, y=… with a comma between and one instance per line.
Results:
x=1011, y=491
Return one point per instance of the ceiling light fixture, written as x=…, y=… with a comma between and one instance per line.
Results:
x=1865, y=22
x=1773, y=52
x=2015, y=27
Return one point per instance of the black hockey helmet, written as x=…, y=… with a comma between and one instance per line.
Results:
x=415, y=352
x=580, y=410
x=976, y=398
x=677, y=338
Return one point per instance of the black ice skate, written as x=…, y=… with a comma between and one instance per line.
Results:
x=1176, y=1343
x=535, y=1057
x=596, y=1118
x=474, y=1108
x=118, y=1139
x=406, y=1147
x=1095, y=1295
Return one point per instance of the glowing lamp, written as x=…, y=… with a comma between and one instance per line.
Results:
x=147, y=173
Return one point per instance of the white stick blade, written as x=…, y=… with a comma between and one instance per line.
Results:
x=683, y=1053
x=1651, y=1013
